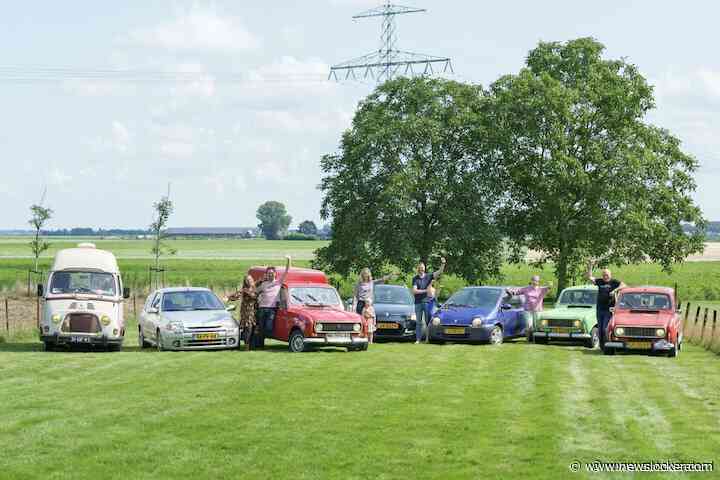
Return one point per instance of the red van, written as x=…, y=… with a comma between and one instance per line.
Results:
x=310, y=313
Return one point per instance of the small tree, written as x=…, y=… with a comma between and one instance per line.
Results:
x=163, y=210
x=274, y=220
x=308, y=227
x=40, y=216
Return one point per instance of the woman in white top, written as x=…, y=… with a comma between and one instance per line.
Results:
x=364, y=289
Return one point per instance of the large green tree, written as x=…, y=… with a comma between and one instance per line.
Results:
x=588, y=177
x=409, y=182
x=274, y=220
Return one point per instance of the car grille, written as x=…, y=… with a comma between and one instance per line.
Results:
x=560, y=322
x=337, y=327
x=205, y=343
x=81, y=323
x=209, y=328
x=640, y=332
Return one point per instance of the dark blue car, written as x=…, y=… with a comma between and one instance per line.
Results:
x=479, y=314
x=394, y=312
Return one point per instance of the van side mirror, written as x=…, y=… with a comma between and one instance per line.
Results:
x=126, y=292
x=40, y=290
x=152, y=310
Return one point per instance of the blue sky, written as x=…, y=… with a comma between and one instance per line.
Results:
x=107, y=148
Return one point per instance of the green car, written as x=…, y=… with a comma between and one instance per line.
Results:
x=572, y=319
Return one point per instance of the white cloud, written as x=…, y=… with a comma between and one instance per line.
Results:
x=120, y=136
x=177, y=149
x=198, y=28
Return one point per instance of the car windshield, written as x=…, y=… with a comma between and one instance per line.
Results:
x=645, y=301
x=91, y=283
x=314, y=296
x=392, y=295
x=475, y=297
x=578, y=297
x=191, y=300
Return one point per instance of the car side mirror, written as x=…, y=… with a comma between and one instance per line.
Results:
x=40, y=290
x=505, y=306
x=126, y=292
x=230, y=308
x=152, y=310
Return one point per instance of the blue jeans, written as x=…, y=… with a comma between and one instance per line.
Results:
x=603, y=319
x=265, y=320
x=421, y=318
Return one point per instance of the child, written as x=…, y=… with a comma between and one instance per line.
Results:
x=432, y=293
x=368, y=315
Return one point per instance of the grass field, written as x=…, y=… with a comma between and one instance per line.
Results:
x=397, y=411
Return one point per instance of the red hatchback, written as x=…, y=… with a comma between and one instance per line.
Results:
x=645, y=319
x=310, y=313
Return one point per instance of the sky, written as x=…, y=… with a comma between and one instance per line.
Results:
x=253, y=117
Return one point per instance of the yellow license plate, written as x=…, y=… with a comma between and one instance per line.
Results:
x=388, y=326
x=455, y=331
x=561, y=329
x=206, y=336
x=639, y=345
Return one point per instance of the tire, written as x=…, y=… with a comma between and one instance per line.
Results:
x=496, y=335
x=296, y=342
x=541, y=340
x=594, y=341
x=608, y=351
x=142, y=343
x=158, y=342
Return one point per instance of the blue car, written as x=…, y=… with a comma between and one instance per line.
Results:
x=479, y=314
x=394, y=312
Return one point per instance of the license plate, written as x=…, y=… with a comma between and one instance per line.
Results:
x=455, y=331
x=338, y=338
x=78, y=339
x=388, y=326
x=206, y=336
x=639, y=345
x=561, y=329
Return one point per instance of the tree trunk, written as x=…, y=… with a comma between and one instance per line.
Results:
x=561, y=272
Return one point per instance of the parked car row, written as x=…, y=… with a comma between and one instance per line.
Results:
x=84, y=294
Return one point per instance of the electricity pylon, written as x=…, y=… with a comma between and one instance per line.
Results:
x=388, y=62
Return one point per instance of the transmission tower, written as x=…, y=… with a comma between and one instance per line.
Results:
x=388, y=62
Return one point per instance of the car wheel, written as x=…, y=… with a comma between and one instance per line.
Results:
x=141, y=339
x=158, y=342
x=594, y=341
x=296, y=343
x=608, y=351
x=496, y=335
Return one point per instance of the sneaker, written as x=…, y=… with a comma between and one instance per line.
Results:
x=417, y=342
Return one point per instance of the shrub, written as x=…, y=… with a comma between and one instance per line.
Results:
x=299, y=236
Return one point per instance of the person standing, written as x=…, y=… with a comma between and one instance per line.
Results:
x=533, y=296
x=364, y=289
x=420, y=284
x=268, y=295
x=368, y=315
x=248, y=305
x=607, y=290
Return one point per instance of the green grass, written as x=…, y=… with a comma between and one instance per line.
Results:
x=397, y=411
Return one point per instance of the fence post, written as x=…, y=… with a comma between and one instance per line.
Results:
x=709, y=339
x=7, y=317
x=685, y=317
x=704, y=322
x=135, y=305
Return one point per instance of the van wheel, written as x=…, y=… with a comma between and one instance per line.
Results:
x=594, y=341
x=496, y=335
x=158, y=341
x=141, y=339
x=296, y=343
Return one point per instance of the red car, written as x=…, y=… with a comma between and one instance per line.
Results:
x=645, y=319
x=310, y=313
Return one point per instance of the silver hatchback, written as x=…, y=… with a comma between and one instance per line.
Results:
x=186, y=319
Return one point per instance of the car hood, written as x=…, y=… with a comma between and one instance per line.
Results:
x=381, y=309
x=465, y=315
x=635, y=317
x=568, y=313
x=199, y=318
x=326, y=314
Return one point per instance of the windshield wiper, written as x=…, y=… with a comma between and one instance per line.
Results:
x=301, y=300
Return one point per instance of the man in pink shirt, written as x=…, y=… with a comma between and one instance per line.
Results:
x=534, y=295
x=268, y=292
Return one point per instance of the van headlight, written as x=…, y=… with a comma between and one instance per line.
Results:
x=477, y=322
x=436, y=321
x=412, y=317
x=318, y=327
x=660, y=332
x=357, y=327
x=577, y=323
x=544, y=323
x=56, y=318
x=619, y=331
x=105, y=320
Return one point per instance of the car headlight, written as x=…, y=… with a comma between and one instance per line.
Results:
x=436, y=321
x=412, y=317
x=56, y=318
x=318, y=327
x=174, y=326
x=357, y=327
x=477, y=322
x=577, y=323
x=105, y=320
x=660, y=332
x=619, y=331
x=544, y=323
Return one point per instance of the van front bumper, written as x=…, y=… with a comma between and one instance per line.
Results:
x=336, y=341
x=563, y=335
x=655, y=345
x=81, y=339
x=461, y=333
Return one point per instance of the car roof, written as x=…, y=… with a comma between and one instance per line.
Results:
x=182, y=289
x=648, y=289
x=582, y=287
x=85, y=257
x=387, y=285
x=295, y=274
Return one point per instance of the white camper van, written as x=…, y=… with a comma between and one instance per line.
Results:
x=83, y=300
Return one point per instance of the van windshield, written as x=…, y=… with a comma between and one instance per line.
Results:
x=314, y=296
x=93, y=283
